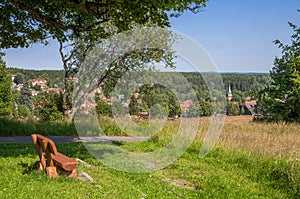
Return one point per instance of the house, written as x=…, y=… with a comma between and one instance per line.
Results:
x=34, y=93
x=73, y=79
x=19, y=86
x=144, y=114
x=57, y=90
x=185, y=105
x=249, y=107
x=101, y=96
x=40, y=82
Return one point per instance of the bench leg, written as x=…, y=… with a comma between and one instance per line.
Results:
x=51, y=172
x=72, y=174
x=39, y=165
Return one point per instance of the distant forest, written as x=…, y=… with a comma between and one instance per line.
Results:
x=52, y=76
x=247, y=83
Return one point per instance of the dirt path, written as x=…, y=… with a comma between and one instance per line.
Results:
x=67, y=139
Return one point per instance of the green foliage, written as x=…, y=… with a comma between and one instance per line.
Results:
x=232, y=108
x=52, y=76
x=133, y=106
x=250, y=84
x=157, y=111
x=282, y=99
x=202, y=108
x=24, y=111
x=48, y=106
x=24, y=23
x=205, y=108
x=19, y=79
x=6, y=98
x=238, y=96
x=118, y=108
x=157, y=94
x=37, y=88
x=78, y=25
x=242, y=84
x=25, y=95
x=103, y=108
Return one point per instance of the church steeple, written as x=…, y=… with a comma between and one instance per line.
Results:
x=229, y=94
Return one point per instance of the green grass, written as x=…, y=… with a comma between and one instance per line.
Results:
x=222, y=174
x=251, y=160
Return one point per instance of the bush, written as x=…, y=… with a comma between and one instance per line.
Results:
x=23, y=111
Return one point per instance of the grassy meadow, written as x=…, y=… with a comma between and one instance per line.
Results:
x=251, y=160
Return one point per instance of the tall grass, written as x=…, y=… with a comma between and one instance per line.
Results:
x=280, y=140
x=10, y=127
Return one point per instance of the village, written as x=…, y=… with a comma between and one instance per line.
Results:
x=39, y=86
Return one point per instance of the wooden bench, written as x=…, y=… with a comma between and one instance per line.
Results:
x=51, y=160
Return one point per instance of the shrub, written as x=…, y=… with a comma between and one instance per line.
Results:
x=24, y=111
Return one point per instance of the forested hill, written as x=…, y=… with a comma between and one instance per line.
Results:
x=52, y=76
x=243, y=82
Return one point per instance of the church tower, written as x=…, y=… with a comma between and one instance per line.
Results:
x=229, y=94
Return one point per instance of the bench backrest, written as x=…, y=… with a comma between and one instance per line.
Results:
x=45, y=143
x=44, y=147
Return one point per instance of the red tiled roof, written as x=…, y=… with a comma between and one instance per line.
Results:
x=37, y=80
x=55, y=89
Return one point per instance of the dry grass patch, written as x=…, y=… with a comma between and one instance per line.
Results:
x=269, y=139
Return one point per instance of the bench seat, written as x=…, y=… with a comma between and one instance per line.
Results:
x=66, y=163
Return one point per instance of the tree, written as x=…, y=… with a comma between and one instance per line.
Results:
x=282, y=99
x=232, y=108
x=25, y=95
x=133, y=106
x=26, y=22
x=158, y=94
x=48, y=106
x=103, y=108
x=78, y=24
x=23, y=111
x=194, y=110
x=201, y=108
x=205, y=108
x=19, y=79
x=6, y=98
x=238, y=96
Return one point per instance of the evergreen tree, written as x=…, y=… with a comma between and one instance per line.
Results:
x=25, y=95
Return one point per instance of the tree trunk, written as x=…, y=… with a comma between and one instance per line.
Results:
x=66, y=99
x=66, y=93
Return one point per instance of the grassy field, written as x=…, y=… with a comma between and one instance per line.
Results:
x=251, y=160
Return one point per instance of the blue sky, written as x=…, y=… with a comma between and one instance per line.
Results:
x=236, y=34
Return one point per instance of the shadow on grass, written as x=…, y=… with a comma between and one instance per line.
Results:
x=21, y=150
